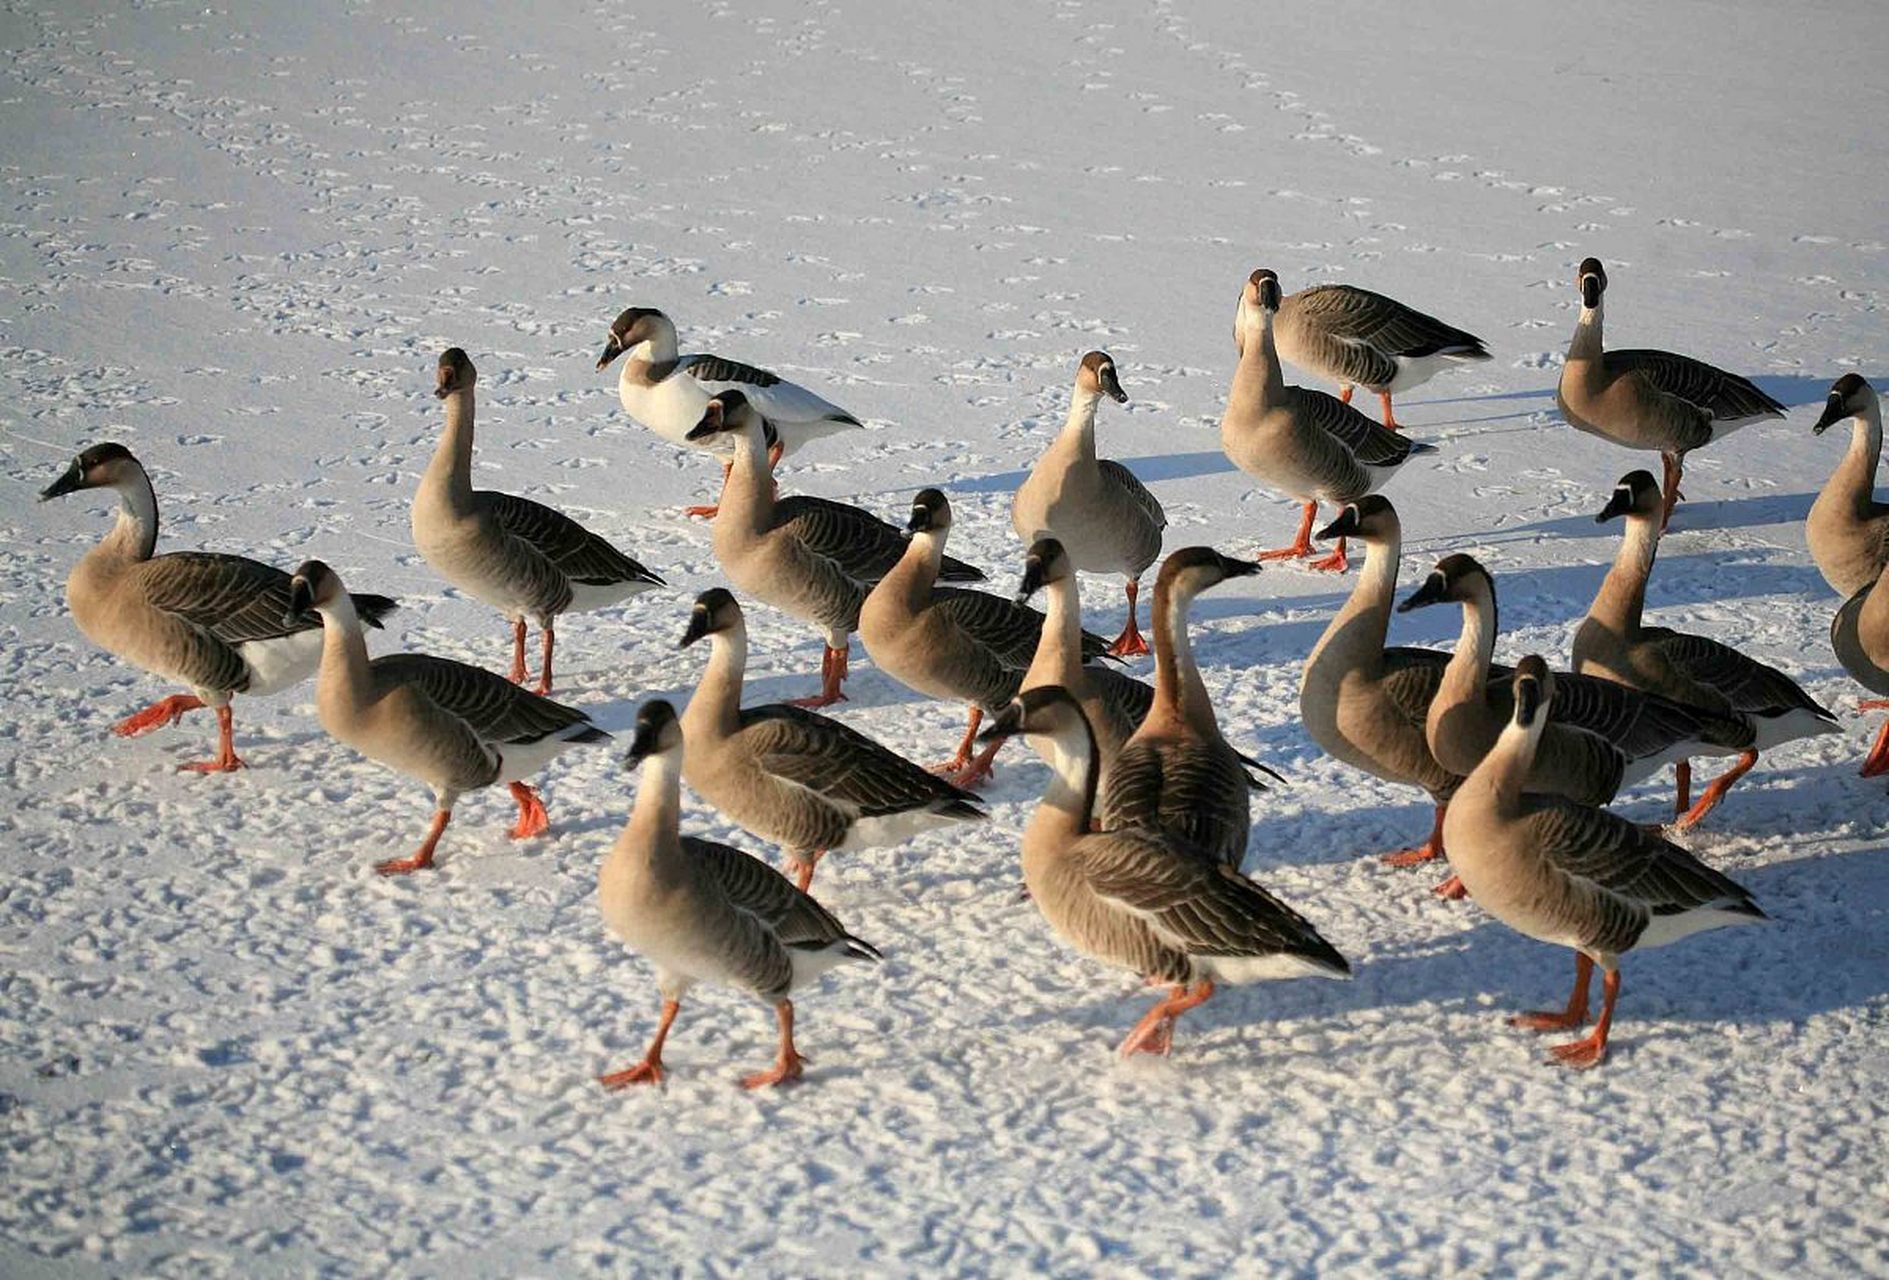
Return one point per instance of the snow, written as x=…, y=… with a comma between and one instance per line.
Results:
x=237, y=238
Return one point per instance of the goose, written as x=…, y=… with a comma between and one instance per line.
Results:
x=1699, y=672
x=808, y=783
x=455, y=727
x=1848, y=530
x=1365, y=704
x=1574, y=875
x=1649, y=399
x=668, y=393
x=965, y=646
x=810, y=557
x=1859, y=634
x=1308, y=444
x=1115, y=703
x=1142, y=898
x=519, y=556
x=1177, y=773
x=1106, y=519
x=214, y=623
x=1605, y=737
x=703, y=912
x=1359, y=338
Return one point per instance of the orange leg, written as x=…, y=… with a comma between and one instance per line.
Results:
x=961, y=761
x=1877, y=761
x=518, y=651
x=1390, y=419
x=226, y=760
x=550, y=642
x=1591, y=1050
x=803, y=867
x=1452, y=889
x=1429, y=851
x=1130, y=644
x=965, y=770
x=1336, y=562
x=163, y=712
x=649, y=1070
x=1682, y=783
x=423, y=856
x=1344, y=393
x=1575, y=1015
x=1714, y=793
x=708, y=512
x=1673, y=465
x=1155, y=1032
x=787, y=1063
x=832, y=676
x=532, y=819
x=1301, y=545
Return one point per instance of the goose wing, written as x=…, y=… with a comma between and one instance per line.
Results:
x=1385, y=325
x=1191, y=903
x=1751, y=686
x=842, y=764
x=1411, y=678
x=579, y=554
x=492, y=707
x=789, y=917
x=777, y=399
x=1369, y=441
x=1195, y=790
x=864, y=546
x=1637, y=867
x=1125, y=482
x=233, y=598
x=1008, y=630
x=1721, y=396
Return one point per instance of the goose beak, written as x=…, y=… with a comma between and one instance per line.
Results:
x=1618, y=505
x=710, y=424
x=611, y=350
x=920, y=521
x=1112, y=386
x=1433, y=591
x=642, y=746
x=1590, y=291
x=698, y=628
x=1527, y=702
x=1008, y=724
x=301, y=600
x=1032, y=578
x=1231, y=568
x=1833, y=413
x=1343, y=526
x=71, y=481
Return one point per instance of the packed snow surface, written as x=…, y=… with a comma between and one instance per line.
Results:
x=236, y=237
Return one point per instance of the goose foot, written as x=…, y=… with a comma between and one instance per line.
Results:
x=803, y=868
x=702, y=513
x=1877, y=761
x=532, y=819
x=788, y=1064
x=1390, y=419
x=1336, y=562
x=1575, y=1015
x=423, y=856
x=648, y=1071
x=1452, y=890
x=1302, y=544
x=1155, y=1032
x=1130, y=643
x=222, y=764
x=1591, y=1049
x=1715, y=792
x=226, y=760
x=832, y=675
x=166, y=711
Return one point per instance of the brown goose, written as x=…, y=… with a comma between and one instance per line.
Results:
x=1359, y=338
x=1105, y=518
x=1848, y=530
x=1650, y=399
x=807, y=783
x=455, y=727
x=1611, y=642
x=1859, y=635
x=521, y=557
x=1573, y=875
x=218, y=624
x=1142, y=898
x=703, y=912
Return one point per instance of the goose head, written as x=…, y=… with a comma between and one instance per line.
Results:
x=658, y=732
x=314, y=586
x=1192, y=570
x=1637, y=494
x=634, y=326
x=1047, y=711
x=455, y=373
x=1045, y=563
x=727, y=412
x=1261, y=292
x=1456, y=578
x=1371, y=520
x=1591, y=280
x=1850, y=396
x=716, y=611
x=1096, y=376
x=931, y=513
x=1534, y=691
x=101, y=466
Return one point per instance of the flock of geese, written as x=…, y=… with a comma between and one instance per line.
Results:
x=1133, y=855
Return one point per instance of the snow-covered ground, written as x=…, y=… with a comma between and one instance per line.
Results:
x=236, y=239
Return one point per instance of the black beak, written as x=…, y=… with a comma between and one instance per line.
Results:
x=1435, y=590
x=1833, y=413
x=710, y=424
x=301, y=600
x=1007, y=724
x=1527, y=701
x=1618, y=505
x=611, y=351
x=71, y=482
x=1345, y=525
x=1032, y=578
x=1590, y=291
x=1231, y=568
x=643, y=745
x=1269, y=294
x=698, y=627
x=920, y=521
x=1112, y=386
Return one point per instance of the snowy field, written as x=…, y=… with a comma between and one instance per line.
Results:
x=236, y=240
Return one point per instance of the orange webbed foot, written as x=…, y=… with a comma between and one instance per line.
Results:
x=1452, y=890
x=1581, y=1054
x=1550, y=1019
x=404, y=866
x=222, y=764
x=786, y=1068
x=532, y=818
x=648, y=1071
